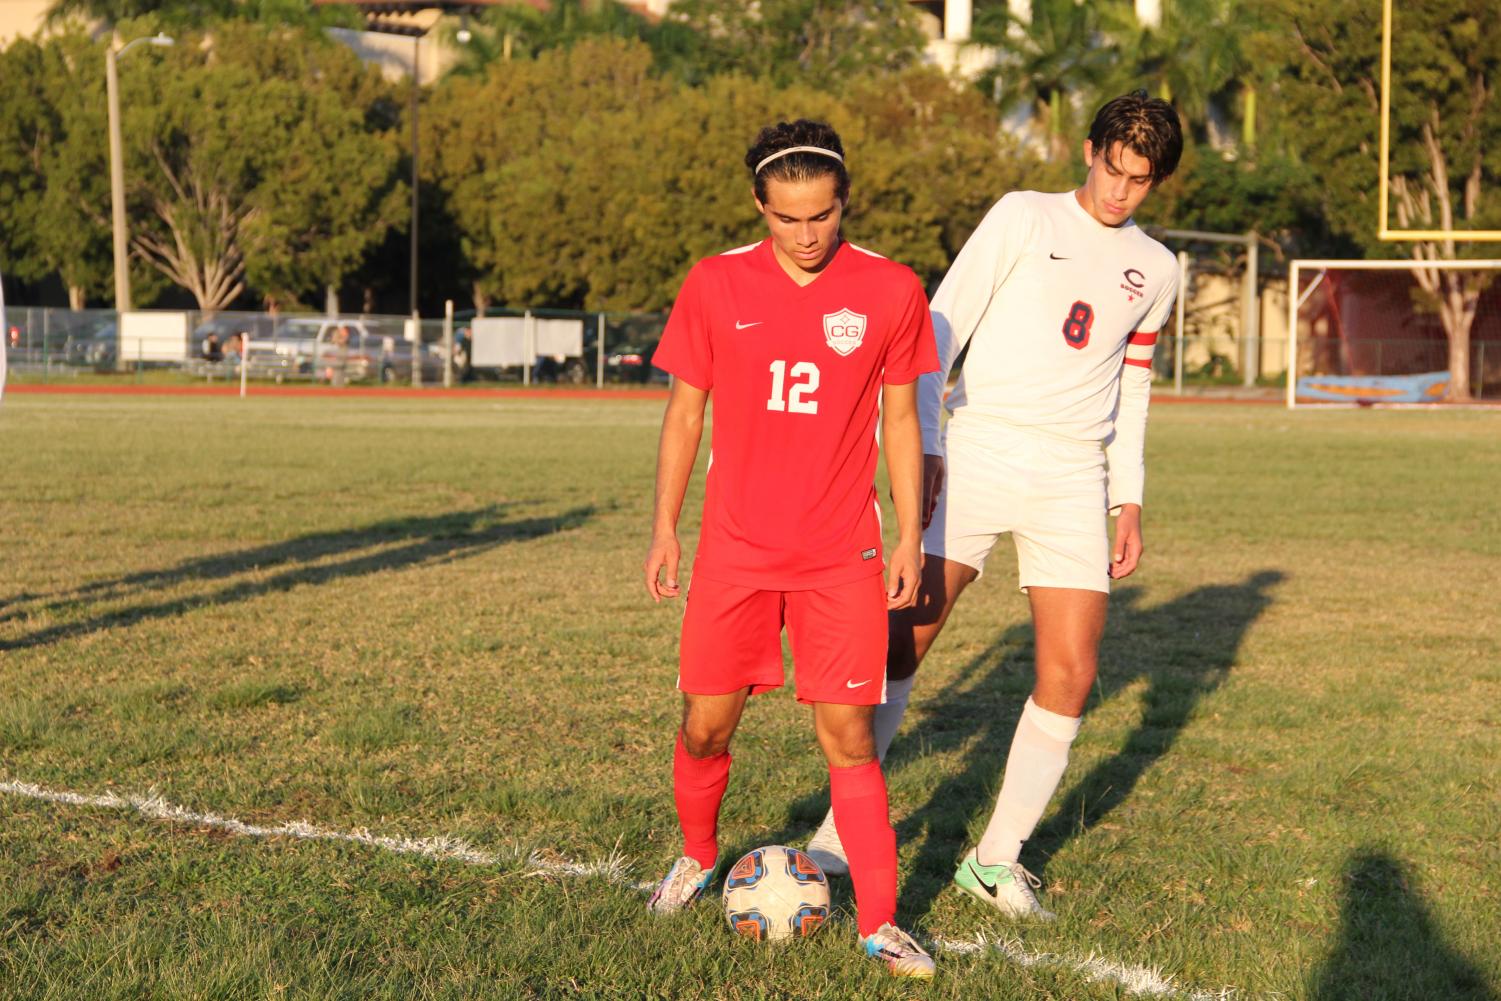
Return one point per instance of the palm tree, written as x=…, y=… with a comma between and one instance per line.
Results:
x=522, y=30
x=1194, y=59
x=1050, y=65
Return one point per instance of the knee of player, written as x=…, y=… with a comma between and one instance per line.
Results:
x=1076, y=671
x=853, y=754
x=850, y=745
x=702, y=740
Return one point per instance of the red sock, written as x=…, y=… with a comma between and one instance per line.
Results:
x=864, y=826
x=697, y=788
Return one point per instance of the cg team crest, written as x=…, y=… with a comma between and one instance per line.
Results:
x=843, y=331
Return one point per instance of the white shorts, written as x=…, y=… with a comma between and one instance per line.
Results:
x=1047, y=492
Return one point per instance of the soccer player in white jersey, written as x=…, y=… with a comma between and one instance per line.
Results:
x=1059, y=298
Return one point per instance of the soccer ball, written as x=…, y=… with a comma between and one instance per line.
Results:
x=776, y=893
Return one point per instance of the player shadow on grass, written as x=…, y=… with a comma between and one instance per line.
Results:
x=1183, y=650
x=393, y=544
x=1389, y=947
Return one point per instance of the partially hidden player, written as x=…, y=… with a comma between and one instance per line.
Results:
x=798, y=338
x=1059, y=298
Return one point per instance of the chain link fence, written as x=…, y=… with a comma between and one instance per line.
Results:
x=51, y=344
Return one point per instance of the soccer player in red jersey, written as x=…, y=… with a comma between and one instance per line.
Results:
x=802, y=339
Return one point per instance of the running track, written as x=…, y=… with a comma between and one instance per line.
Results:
x=446, y=394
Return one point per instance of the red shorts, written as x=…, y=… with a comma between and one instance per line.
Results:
x=732, y=639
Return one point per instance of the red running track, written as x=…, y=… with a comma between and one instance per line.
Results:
x=438, y=394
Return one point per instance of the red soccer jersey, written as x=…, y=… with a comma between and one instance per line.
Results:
x=795, y=372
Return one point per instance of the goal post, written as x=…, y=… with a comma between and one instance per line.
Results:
x=1384, y=333
x=1218, y=302
x=1384, y=230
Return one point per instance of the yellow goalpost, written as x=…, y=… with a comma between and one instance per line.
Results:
x=1383, y=229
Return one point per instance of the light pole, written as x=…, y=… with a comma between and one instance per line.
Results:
x=113, y=55
x=416, y=99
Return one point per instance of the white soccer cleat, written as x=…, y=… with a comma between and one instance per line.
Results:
x=826, y=849
x=683, y=884
x=1008, y=887
x=903, y=957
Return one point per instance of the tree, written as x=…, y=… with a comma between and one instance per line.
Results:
x=1050, y=65
x=1446, y=59
x=822, y=42
x=336, y=188
x=54, y=161
x=190, y=14
x=520, y=152
x=930, y=160
x=249, y=150
x=28, y=127
x=1269, y=193
x=522, y=31
x=1194, y=58
x=581, y=179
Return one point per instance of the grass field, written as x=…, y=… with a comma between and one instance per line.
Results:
x=423, y=618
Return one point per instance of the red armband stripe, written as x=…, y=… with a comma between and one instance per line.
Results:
x=1139, y=362
x=1142, y=337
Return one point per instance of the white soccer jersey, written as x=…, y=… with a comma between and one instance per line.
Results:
x=1060, y=313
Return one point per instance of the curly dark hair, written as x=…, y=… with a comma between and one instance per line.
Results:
x=798, y=167
x=1146, y=125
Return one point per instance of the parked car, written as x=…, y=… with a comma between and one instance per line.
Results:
x=348, y=351
x=633, y=364
x=225, y=326
x=97, y=348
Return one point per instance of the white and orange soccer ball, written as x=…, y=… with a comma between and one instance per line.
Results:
x=776, y=893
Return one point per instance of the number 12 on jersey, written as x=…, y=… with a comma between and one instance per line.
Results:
x=793, y=399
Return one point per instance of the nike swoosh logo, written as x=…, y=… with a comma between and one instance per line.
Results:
x=1057, y=258
x=743, y=326
x=851, y=684
x=980, y=878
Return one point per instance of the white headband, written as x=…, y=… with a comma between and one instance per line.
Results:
x=798, y=149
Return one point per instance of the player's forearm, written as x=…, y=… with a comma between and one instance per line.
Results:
x=930, y=388
x=1126, y=478
x=954, y=322
x=902, y=437
x=676, y=453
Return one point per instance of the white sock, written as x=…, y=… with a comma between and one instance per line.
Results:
x=888, y=718
x=1039, y=754
x=889, y=714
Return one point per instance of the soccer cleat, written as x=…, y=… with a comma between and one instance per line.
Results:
x=902, y=956
x=684, y=883
x=1007, y=887
x=826, y=849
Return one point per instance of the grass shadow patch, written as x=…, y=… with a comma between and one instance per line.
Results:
x=252, y=694
x=1390, y=947
x=379, y=728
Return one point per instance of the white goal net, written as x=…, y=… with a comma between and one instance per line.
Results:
x=1394, y=332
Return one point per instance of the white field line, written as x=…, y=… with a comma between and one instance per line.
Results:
x=1134, y=980
x=442, y=848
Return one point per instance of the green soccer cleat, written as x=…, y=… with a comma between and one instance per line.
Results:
x=1007, y=887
